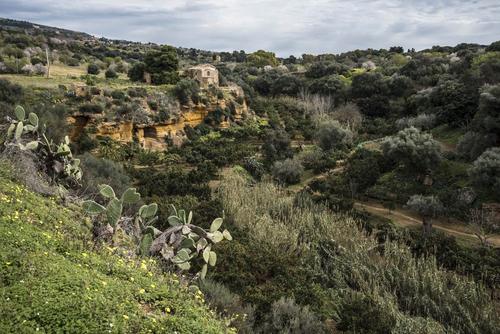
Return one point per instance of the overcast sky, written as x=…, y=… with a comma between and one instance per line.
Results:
x=283, y=26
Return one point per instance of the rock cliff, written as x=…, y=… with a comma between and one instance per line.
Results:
x=158, y=135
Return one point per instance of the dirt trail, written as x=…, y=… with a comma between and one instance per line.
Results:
x=405, y=220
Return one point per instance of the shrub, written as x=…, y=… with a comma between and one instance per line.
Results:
x=93, y=69
x=413, y=149
x=91, y=108
x=162, y=64
x=9, y=92
x=363, y=169
x=137, y=92
x=230, y=305
x=485, y=171
x=288, y=317
x=110, y=73
x=360, y=313
x=317, y=160
x=118, y=95
x=473, y=144
x=276, y=146
x=331, y=135
x=102, y=171
x=422, y=122
x=187, y=90
x=254, y=167
x=136, y=72
x=287, y=171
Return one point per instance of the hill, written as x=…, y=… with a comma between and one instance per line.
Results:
x=54, y=279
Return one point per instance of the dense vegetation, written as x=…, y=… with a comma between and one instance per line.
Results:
x=412, y=133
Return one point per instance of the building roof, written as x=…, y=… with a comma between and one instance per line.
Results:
x=203, y=67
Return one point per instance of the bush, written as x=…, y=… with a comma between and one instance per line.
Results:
x=229, y=305
x=361, y=314
x=254, y=167
x=187, y=90
x=473, y=144
x=363, y=169
x=137, y=92
x=317, y=160
x=276, y=146
x=415, y=150
x=118, y=95
x=102, y=171
x=331, y=135
x=422, y=122
x=93, y=69
x=110, y=74
x=136, y=72
x=162, y=64
x=485, y=171
x=288, y=317
x=287, y=171
x=91, y=108
x=9, y=92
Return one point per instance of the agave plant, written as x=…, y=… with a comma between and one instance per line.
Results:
x=184, y=241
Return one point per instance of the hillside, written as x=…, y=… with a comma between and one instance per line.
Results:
x=349, y=193
x=53, y=278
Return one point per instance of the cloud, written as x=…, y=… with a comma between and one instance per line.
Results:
x=283, y=26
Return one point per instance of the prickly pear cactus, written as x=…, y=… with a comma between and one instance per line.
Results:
x=184, y=242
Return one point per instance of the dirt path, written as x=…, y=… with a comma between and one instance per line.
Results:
x=403, y=219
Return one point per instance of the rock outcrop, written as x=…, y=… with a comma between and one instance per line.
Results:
x=158, y=136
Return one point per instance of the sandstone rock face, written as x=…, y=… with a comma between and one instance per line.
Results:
x=158, y=136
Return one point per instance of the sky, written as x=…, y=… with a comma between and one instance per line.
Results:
x=283, y=26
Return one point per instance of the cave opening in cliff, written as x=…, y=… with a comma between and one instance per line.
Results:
x=150, y=132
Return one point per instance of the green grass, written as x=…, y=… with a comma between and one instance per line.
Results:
x=53, y=280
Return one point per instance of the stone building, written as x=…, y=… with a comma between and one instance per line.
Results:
x=205, y=74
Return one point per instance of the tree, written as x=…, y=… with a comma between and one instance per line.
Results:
x=286, y=84
x=331, y=85
x=348, y=115
x=93, y=69
x=483, y=223
x=276, y=146
x=487, y=118
x=427, y=207
x=187, y=90
x=367, y=84
x=414, y=150
x=136, y=72
x=162, y=64
x=262, y=58
x=331, y=135
x=363, y=168
x=495, y=46
x=396, y=49
x=287, y=171
x=485, y=171
x=454, y=102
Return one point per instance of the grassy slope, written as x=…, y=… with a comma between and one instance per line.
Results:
x=52, y=281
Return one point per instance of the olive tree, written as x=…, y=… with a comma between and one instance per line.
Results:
x=331, y=135
x=414, y=150
x=485, y=171
x=427, y=207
